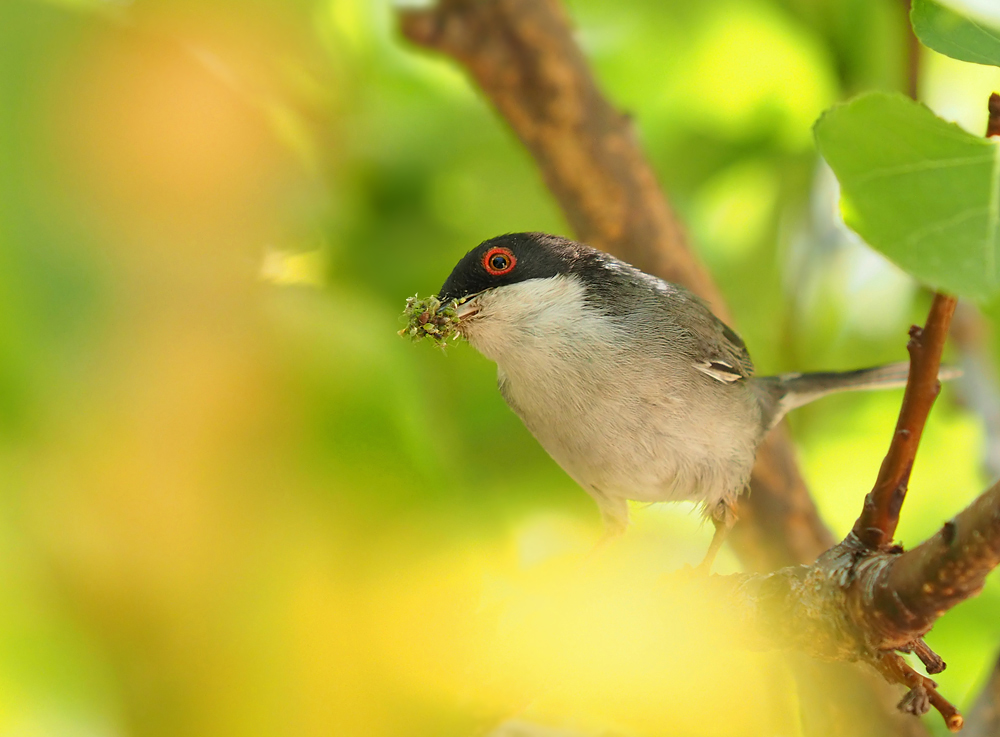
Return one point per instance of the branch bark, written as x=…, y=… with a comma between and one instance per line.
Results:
x=993, y=127
x=856, y=603
x=902, y=601
x=878, y=520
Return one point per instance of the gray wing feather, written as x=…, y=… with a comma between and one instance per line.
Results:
x=721, y=353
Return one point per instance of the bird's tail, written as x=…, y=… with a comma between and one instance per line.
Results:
x=788, y=391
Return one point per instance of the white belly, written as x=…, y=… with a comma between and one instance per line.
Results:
x=643, y=443
x=625, y=421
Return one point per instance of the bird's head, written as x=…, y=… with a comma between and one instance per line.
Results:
x=514, y=285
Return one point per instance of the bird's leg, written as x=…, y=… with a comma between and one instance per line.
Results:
x=723, y=517
x=614, y=513
x=615, y=516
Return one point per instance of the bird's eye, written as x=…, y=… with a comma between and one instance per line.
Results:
x=499, y=261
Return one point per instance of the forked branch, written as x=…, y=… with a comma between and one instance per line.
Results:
x=859, y=604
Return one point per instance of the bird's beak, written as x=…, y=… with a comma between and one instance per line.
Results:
x=467, y=306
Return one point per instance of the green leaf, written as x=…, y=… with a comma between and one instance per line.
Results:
x=954, y=35
x=922, y=191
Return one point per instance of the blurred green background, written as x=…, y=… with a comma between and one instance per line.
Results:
x=235, y=502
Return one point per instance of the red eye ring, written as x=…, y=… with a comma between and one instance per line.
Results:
x=499, y=261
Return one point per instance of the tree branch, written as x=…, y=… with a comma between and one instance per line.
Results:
x=523, y=56
x=993, y=127
x=864, y=599
x=902, y=601
x=856, y=603
x=880, y=515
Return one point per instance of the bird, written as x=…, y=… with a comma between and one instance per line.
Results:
x=629, y=382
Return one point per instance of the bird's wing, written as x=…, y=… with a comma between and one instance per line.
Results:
x=721, y=353
x=713, y=347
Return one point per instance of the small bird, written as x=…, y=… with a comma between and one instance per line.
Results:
x=629, y=382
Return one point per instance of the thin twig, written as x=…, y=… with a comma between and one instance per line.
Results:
x=877, y=523
x=993, y=126
x=923, y=692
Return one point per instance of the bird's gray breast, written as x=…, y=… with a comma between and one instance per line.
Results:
x=617, y=401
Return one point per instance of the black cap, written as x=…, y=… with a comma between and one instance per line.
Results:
x=511, y=258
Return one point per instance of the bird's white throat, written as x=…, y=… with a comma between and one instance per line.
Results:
x=535, y=322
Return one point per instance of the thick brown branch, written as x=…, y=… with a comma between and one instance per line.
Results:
x=856, y=603
x=779, y=525
x=523, y=56
x=877, y=523
x=908, y=596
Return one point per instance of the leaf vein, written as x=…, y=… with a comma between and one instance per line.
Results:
x=940, y=225
x=918, y=166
